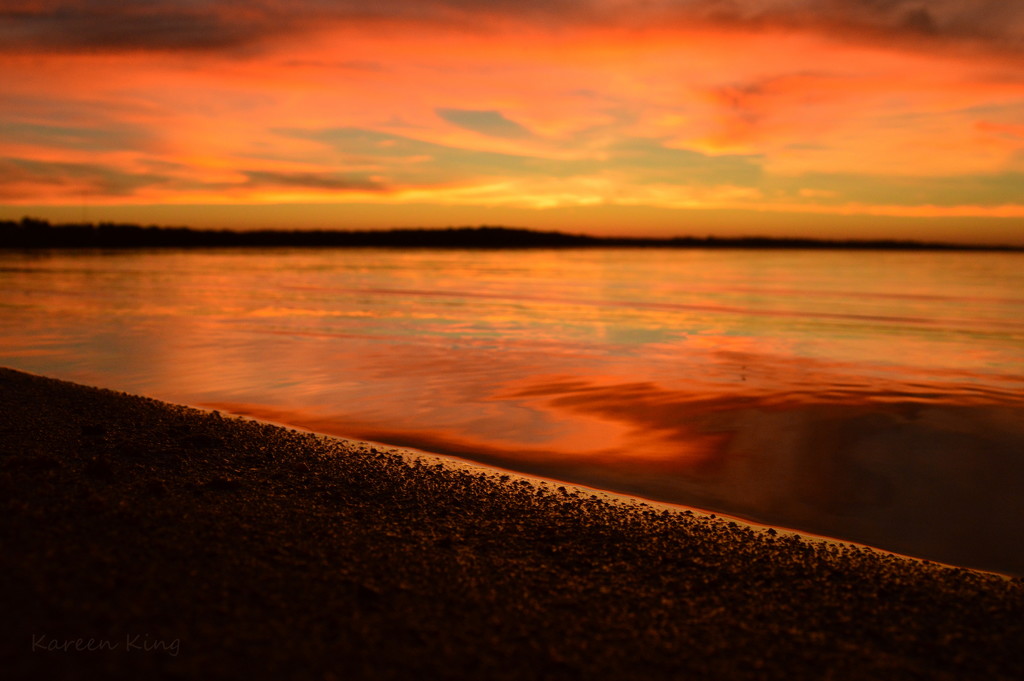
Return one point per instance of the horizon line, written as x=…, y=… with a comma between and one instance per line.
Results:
x=36, y=233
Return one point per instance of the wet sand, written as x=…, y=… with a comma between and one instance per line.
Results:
x=141, y=538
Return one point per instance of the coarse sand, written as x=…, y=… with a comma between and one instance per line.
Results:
x=145, y=540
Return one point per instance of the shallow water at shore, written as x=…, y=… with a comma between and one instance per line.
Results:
x=870, y=396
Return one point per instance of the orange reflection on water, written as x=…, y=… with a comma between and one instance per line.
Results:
x=858, y=396
x=913, y=476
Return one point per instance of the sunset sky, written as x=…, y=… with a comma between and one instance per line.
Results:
x=831, y=118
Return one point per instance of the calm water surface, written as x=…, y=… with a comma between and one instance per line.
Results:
x=872, y=396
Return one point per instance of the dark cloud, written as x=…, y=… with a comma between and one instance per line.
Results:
x=330, y=181
x=21, y=177
x=109, y=138
x=225, y=25
x=156, y=25
x=920, y=20
x=995, y=21
x=492, y=123
x=73, y=178
x=191, y=25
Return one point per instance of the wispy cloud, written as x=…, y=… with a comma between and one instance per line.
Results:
x=85, y=138
x=492, y=123
x=21, y=179
x=314, y=181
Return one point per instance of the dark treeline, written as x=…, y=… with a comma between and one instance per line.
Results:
x=34, y=233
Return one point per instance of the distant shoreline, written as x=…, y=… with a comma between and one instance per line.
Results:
x=32, y=233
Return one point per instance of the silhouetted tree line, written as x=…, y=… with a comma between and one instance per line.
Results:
x=36, y=233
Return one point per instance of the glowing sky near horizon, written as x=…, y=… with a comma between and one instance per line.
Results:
x=831, y=117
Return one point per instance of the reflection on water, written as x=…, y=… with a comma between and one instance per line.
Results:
x=871, y=396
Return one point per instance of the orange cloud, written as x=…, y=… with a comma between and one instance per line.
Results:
x=774, y=106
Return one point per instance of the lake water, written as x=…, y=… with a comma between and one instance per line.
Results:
x=871, y=396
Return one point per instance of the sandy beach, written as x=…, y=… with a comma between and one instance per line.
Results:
x=146, y=539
